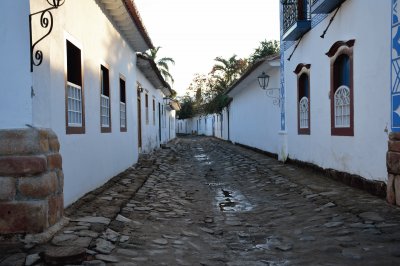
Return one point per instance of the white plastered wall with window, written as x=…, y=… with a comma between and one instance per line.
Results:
x=150, y=130
x=254, y=118
x=363, y=154
x=89, y=159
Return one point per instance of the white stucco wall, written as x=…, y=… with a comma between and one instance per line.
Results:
x=172, y=124
x=364, y=153
x=89, y=159
x=150, y=130
x=184, y=126
x=205, y=123
x=254, y=119
x=15, y=78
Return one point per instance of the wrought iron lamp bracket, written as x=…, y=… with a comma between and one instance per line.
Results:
x=274, y=94
x=46, y=22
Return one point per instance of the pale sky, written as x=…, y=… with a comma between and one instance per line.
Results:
x=194, y=32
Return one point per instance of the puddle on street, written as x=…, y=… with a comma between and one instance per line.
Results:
x=229, y=200
x=203, y=158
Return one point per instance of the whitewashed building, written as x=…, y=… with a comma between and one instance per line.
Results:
x=335, y=86
x=155, y=114
x=69, y=90
x=200, y=124
x=254, y=112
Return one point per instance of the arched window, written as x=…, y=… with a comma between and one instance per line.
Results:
x=342, y=106
x=303, y=98
x=303, y=111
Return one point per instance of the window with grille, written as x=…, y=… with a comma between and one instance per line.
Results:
x=303, y=99
x=122, y=105
x=303, y=110
x=75, y=114
x=342, y=106
x=154, y=112
x=147, y=108
x=105, y=107
x=74, y=105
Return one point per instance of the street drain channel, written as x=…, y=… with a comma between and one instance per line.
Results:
x=229, y=200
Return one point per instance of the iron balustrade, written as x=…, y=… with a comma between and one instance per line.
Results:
x=294, y=11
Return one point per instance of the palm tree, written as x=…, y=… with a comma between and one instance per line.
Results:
x=162, y=63
x=229, y=70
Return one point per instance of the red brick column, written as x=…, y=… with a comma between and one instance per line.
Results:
x=31, y=181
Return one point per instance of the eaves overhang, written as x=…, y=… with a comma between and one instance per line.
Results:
x=150, y=70
x=175, y=105
x=253, y=72
x=126, y=18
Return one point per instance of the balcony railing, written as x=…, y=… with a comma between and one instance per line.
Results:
x=296, y=18
x=324, y=6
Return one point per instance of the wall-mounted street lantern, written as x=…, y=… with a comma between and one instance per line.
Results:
x=263, y=80
x=46, y=22
x=274, y=93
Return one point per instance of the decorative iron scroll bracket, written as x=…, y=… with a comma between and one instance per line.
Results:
x=274, y=94
x=46, y=22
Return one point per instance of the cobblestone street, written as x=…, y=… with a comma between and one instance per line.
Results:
x=203, y=201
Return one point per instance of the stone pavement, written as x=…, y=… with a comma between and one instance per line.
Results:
x=207, y=202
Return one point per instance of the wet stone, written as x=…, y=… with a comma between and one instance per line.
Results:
x=76, y=228
x=123, y=219
x=92, y=219
x=59, y=239
x=111, y=235
x=351, y=253
x=307, y=238
x=160, y=241
x=106, y=258
x=143, y=209
x=104, y=246
x=94, y=263
x=333, y=224
x=189, y=233
x=32, y=259
x=127, y=252
x=123, y=239
x=372, y=216
x=81, y=242
x=87, y=233
x=64, y=255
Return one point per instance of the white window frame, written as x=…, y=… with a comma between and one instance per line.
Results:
x=122, y=113
x=74, y=105
x=342, y=107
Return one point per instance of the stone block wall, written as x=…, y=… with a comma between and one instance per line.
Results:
x=31, y=180
x=393, y=166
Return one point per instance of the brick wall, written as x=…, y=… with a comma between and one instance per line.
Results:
x=31, y=180
x=393, y=166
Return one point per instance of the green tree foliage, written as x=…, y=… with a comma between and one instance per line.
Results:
x=187, y=108
x=264, y=49
x=162, y=64
x=228, y=70
x=209, y=90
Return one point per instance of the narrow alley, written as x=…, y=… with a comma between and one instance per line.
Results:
x=202, y=201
